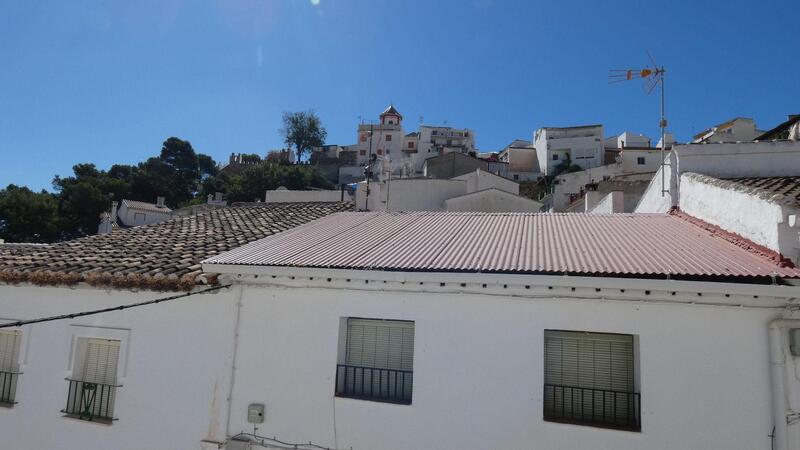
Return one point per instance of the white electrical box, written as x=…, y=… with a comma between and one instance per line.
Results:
x=255, y=413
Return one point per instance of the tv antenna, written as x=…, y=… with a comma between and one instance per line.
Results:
x=653, y=76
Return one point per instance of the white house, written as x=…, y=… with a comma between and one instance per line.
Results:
x=403, y=153
x=150, y=377
x=583, y=145
x=523, y=162
x=132, y=213
x=483, y=331
x=454, y=194
x=739, y=129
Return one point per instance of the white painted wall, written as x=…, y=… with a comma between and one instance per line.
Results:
x=741, y=211
x=287, y=196
x=174, y=367
x=478, y=370
x=631, y=162
x=415, y=194
x=492, y=200
x=134, y=216
x=480, y=180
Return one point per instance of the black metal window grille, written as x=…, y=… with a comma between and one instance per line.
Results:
x=90, y=401
x=8, y=388
x=589, y=380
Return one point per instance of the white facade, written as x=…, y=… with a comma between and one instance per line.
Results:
x=134, y=213
x=174, y=367
x=492, y=200
x=583, y=145
x=469, y=395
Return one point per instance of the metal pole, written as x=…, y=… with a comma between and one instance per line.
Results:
x=369, y=168
x=663, y=125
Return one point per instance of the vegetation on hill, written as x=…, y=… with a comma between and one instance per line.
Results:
x=178, y=173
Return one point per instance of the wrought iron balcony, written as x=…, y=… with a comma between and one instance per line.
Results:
x=370, y=383
x=91, y=401
x=595, y=407
x=8, y=387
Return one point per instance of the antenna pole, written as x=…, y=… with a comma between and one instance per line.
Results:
x=663, y=125
x=369, y=168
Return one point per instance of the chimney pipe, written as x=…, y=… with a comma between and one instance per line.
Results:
x=160, y=202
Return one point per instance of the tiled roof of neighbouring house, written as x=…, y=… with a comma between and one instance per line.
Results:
x=784, y=190
x=162, y=256
x=643, y=245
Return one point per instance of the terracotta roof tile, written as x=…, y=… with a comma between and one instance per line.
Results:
x=162, y=256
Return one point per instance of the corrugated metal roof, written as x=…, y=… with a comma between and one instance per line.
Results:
x=596, y=244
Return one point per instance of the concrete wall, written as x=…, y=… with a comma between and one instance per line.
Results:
x=703, y=371
x=654, y=200
x=174, y=369
x=612, y=202
x=492, y=200
x=287, y=196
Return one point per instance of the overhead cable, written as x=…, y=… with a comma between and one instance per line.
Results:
x=20, y=323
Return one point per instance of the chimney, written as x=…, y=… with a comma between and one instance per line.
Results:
x=208, y=199
x=114, y=211
x=218, y=196
x=160, y=202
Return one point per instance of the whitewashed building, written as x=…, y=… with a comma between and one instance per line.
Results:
x=479, y=331
x=583, y=145
x=150, y=377
x=739, y=129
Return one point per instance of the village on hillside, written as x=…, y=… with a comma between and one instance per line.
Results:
x=574, y=289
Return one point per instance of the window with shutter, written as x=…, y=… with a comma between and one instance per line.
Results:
x=589, y=379
x=92, y=390
x=9, y=365
x=379, y=361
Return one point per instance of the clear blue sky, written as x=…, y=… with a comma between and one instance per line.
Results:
x=108, y=81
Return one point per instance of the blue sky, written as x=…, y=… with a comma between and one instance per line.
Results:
x=108, y=81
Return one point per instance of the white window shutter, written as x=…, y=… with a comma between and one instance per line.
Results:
x=9, y=350
x=100, y=365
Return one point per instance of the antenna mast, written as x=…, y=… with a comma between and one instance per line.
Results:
x=654, y=76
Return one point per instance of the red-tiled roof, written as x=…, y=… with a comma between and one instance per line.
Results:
x=162, y=256
x=646, y=245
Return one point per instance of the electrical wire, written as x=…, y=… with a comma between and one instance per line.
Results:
x=20, y=323
x=272, y=442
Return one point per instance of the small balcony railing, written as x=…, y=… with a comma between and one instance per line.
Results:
x=370, y=383
x=595, y=407
x=8, y=388
x=91, y=401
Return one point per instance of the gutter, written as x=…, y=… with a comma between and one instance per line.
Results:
x=781, y=405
